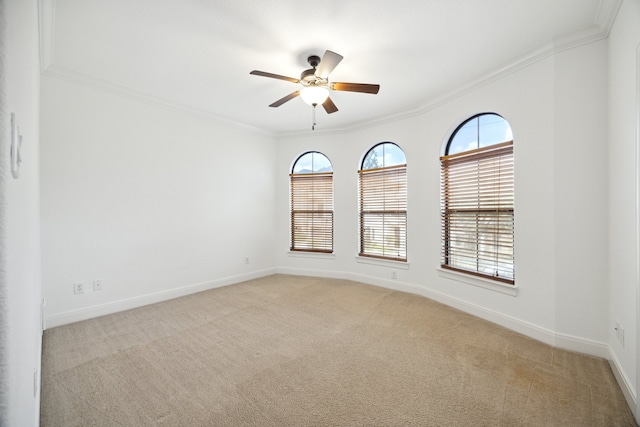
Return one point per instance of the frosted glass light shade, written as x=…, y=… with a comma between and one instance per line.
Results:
x=314, y=95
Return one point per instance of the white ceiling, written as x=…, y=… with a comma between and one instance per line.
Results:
x=197, y=54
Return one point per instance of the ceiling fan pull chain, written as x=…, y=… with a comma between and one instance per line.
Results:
x=313, y=118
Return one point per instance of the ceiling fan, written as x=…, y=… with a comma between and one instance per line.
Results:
x=315, y=83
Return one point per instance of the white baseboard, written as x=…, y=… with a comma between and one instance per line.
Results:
x=60, y=319
x=547, y=336
x=544, y=335
x=563, y=341
x=582, y=345
x=624, y=383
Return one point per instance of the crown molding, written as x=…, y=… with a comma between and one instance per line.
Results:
x=607, y=14
x=46, y=27
x=85, y=80
x=598, y=30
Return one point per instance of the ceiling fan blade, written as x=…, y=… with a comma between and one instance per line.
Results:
x=356, y=87
x=274, y=76
x=329, y=106
x=289, y=97
x=329, y=61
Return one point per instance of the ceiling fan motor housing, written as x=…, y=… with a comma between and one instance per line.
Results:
x=308, y=77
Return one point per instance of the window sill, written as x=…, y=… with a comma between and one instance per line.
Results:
x=316, y=255
x=479, y=281
x=383, y=262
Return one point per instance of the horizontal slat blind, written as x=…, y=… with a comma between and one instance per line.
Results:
x=383, y=212
x=312, y=212
x=477, y=212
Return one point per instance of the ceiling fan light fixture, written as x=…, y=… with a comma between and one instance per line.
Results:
x=314, y=95
x=316, y=86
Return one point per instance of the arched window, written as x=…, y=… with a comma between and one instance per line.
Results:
x=312, y=203
x=383, y=203
x=477, y=203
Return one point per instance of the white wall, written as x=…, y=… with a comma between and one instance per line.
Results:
x=624, y=102
x=157, y=203
x=154, y=202
x=20, y=263
x=557, y=110
x=581, y=186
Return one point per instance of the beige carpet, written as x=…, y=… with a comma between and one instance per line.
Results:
x=301, y=351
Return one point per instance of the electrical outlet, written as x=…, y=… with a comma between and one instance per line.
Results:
x=246, y=260
x=97, y=285
x=78, y=287
x=394, y=274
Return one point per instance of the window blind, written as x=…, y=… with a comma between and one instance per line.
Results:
x=312, y=212
x=383, y=212
x=477, y=205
